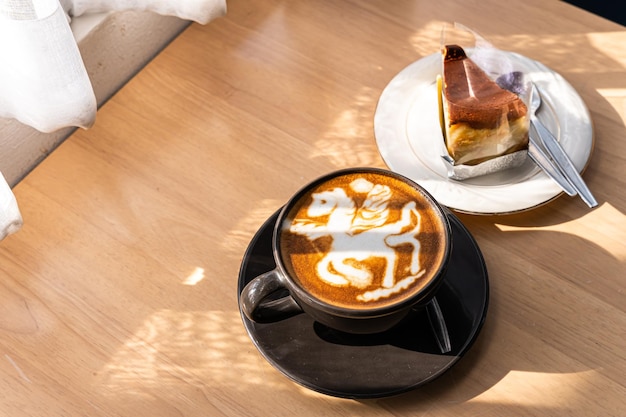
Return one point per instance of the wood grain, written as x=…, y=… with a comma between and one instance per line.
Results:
x=118, y=297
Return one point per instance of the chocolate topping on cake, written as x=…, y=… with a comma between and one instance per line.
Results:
x=472, y=97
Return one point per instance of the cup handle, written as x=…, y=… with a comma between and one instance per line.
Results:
x=438, y=324
x=257, y=306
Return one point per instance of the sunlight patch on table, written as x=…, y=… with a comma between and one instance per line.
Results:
x=195, y=277
x=243, y=231
x=173, y=351
x=617, y=98
x=607, y=221
x=426, y=40
x=608, y=42
x=540, y=389
x=349, y=139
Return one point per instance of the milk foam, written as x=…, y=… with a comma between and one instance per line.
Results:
x=363, y=224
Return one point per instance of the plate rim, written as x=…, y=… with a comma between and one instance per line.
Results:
x=393, y=142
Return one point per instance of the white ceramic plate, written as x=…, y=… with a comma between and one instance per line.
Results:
x=409, y=138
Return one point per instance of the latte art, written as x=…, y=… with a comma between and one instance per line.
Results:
x=359, y=234
x=363, y=240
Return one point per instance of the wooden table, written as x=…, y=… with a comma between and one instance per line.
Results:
x=119, y=295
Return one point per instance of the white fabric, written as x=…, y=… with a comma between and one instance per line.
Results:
x=201, y=11
x=43, y=81
x=10, y=216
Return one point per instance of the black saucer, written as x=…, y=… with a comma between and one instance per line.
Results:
x=373, y=366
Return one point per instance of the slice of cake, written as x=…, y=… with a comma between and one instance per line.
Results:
x=480, y=120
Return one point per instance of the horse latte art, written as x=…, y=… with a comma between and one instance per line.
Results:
x=363, y=240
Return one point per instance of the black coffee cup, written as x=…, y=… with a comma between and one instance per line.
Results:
x=356, y=249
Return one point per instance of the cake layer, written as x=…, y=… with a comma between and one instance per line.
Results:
x=472, y=97
x=471, y=146
x=481, y=120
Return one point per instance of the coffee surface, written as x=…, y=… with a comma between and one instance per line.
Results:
x=363, y=240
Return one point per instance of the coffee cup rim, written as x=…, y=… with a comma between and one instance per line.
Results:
x=424, y=294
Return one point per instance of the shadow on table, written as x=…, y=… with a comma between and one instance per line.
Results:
x=579, y=281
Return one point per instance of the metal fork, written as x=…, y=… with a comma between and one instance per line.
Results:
x=556, y=151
